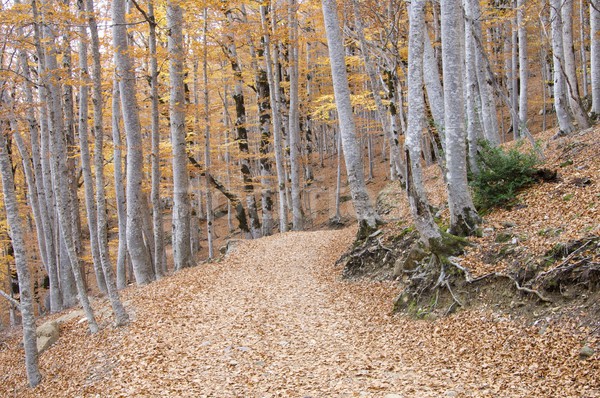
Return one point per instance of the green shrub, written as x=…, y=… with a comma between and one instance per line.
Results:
x=501, y=174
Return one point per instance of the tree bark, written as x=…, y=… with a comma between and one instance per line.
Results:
x=18, y=241
x=569, y=66
x=523, y=63
x=362, y=203
x=595, y=54
x=138, y=251
x=182, y=254
x=274, y=93
x=560, y=105
x=416, y=109
x=463, y=217
x=157, y=216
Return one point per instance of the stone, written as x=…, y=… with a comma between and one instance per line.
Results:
x=47, y=334
x=586, y=352
x=393, y=396
x=230, y=247
x=451, y=393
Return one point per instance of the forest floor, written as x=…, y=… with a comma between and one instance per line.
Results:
x=274, y=319
x=278, y=318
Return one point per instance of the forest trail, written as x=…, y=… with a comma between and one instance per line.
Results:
x=274, y=319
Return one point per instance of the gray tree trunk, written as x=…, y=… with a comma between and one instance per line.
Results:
x=463, y=217
x=14, y=223
x=523, y=63
x=433, y=85
x=416, y=111
x=138, y=251
x=489, y=117
x=119, y=189
x=42, y=163
x=570, y=68
x=560, y=104
x=121, y=317
x=207, y=157
x=472, y=99
x=86, y=167
x=274, y=97
x=157, y=216
x=360, y=198
x=595, y=54
x=294, y=118
x=182, y=254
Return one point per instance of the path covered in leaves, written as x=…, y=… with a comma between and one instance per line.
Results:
x=274, y=320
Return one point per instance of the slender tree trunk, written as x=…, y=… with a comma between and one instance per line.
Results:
x=242, y=133
x=207, y=157
x=595, y=54
x=375, y=82
x=523, y=63
x=294, y=118
x=119, y=189
x=138, y=251
x=363, y=207
x=463, y=217
x=582, y=49
x=274, y=93
x=435, y=93
x=157, y=215
x=18, y=241
x=569, y=67
x=416, y=108
x=486, y=93
x=40, y=154
x=562, y=113
x=474, y=133
x=86, y=166
x=182, y=254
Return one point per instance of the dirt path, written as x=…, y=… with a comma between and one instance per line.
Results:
x=274, y=320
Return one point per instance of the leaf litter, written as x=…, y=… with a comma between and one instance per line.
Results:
x=274, y=319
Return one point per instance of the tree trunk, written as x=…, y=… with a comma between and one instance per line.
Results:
x=523, y=63
x=463, y=217
x=157, y=215
x=242, y=133
x=138, y=251
x=435, y=93
x=570, y=71
x=86, y=166
x=489, y=117
x=416, y=108
x=182, y=255
x=207, y=157
x=595, y=54
x=560, y=105
x=18, y=241
x=274, y=93
x=365, y=213
x=119, y=189
x=294, y=118
x=40, y=154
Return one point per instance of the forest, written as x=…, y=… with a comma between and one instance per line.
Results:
x=137, y=138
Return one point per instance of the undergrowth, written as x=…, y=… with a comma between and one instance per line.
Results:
x=501, y=174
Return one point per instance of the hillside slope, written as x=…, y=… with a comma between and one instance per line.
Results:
x=274, y=319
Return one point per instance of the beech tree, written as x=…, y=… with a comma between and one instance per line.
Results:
x=182, y=254
x=360, y=198
x=463, y=217
x=138, y=251
x=25, y=287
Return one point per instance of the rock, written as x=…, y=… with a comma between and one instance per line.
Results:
x=586, y=352
x=451, y=393
x=230, y=247
x=393, y=396
x=47, y=334
x=411, y=262
x=487, y=232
